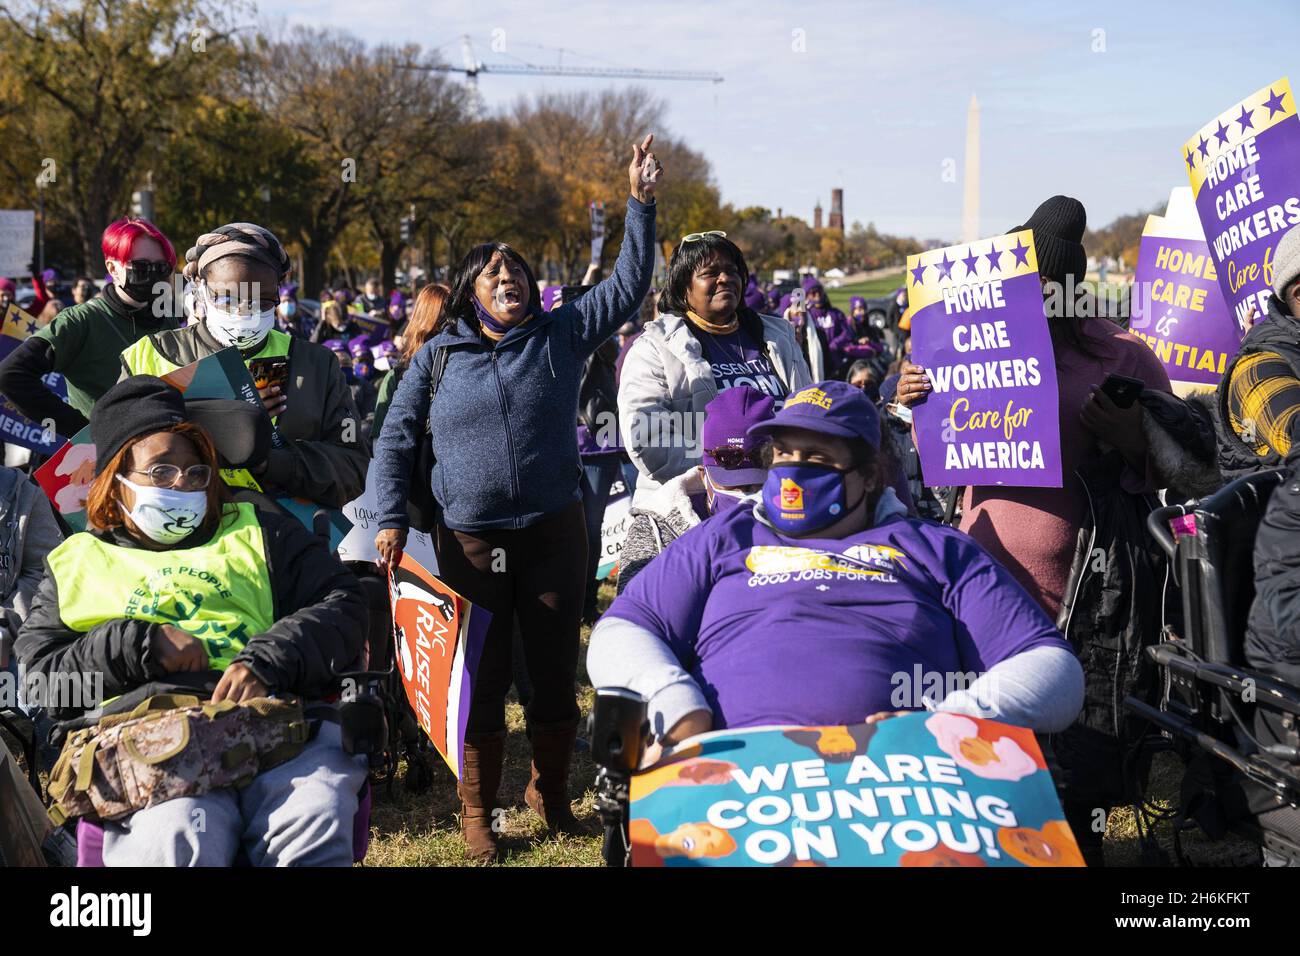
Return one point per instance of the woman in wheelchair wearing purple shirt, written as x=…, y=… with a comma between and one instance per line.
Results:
x=825, y=604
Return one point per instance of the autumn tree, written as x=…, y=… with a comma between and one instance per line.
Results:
x=365, y=121
x=95, y=89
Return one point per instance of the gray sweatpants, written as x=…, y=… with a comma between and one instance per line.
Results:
x=297, y=814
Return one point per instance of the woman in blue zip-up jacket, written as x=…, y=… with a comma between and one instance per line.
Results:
x=511, y=537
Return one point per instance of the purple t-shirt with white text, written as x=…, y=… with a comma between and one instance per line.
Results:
x=813, y=631
x=736, y=359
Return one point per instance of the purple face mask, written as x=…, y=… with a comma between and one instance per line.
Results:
x=723, y=499
x=801, y=499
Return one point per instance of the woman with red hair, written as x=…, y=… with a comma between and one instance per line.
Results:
x=83, y=342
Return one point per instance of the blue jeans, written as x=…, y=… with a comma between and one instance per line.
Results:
x=629, y=477
x=297, y=814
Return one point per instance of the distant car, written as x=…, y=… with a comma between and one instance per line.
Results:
x=878, y=309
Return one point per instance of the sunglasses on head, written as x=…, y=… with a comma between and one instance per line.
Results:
x=732, y=458
x=697, y=236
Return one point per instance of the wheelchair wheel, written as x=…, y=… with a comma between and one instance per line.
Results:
x=419, y=770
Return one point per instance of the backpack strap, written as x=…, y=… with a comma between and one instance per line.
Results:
x=439, y=366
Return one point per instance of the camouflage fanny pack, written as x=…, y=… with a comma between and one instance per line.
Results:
x=172, y=746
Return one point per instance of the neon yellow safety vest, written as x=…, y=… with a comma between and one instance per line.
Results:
x=143, y=358
x=220, y=591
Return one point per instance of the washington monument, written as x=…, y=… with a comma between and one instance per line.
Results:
x=970, y=207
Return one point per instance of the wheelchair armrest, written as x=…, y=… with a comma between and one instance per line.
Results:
x=1158, y=525
x=1265, y=691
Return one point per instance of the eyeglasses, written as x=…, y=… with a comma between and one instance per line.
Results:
x=241, y=304
x=166, y=476
x=697, y=236
x=732, y=458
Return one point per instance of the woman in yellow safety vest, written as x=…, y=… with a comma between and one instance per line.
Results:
x=175, y=586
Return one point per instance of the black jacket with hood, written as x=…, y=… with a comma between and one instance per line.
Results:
x=326, y=453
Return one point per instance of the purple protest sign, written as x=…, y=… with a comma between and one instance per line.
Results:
x=16, y=428
x=1177, y=307
x=979, y=331
x=1244, y=166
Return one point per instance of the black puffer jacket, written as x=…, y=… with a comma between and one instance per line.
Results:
x=1273, y=628
x=1119, y=596
x=320, y=621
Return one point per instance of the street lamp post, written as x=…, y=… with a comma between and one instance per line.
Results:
x=40, y=226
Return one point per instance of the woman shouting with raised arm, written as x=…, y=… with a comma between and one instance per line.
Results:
x=497, y=385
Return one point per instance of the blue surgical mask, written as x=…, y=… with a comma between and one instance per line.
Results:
x=801, y=499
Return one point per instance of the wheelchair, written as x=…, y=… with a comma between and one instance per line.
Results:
x=374, y=718
x=619, y=730
x=1211, y=703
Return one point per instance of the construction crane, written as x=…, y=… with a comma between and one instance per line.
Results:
x=473, y=67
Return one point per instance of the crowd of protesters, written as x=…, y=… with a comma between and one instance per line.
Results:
x=709, y=398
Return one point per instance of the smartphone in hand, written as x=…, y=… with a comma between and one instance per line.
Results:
x=1122, y=390
x=270, y=371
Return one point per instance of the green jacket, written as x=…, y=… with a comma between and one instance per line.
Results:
x=387, y=387
x=325, y=457
x=87, y=339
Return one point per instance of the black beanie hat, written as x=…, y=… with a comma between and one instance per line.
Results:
x=135, y=406
x=1058, y=225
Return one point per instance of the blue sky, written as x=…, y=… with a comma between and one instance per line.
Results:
x=876, y=102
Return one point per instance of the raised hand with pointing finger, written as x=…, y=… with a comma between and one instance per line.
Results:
x=645, y=172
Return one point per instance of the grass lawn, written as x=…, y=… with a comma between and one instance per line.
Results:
x=871, y=289
x=424, y=829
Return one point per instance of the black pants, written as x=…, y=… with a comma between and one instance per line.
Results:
x=538, y=575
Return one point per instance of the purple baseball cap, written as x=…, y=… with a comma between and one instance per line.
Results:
x=730, y=448
x=829, y=408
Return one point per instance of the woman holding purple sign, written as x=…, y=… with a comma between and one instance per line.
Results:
x=824, y=604
x=1033, y=531
x=1082, y=550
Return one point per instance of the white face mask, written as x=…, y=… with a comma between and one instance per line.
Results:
x=165, y=514
x=231, y=328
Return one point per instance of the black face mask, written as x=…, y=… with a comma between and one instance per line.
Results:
x=142, y=275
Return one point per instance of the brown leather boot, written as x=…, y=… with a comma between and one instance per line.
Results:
x=480, y=779
x=548, y=789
